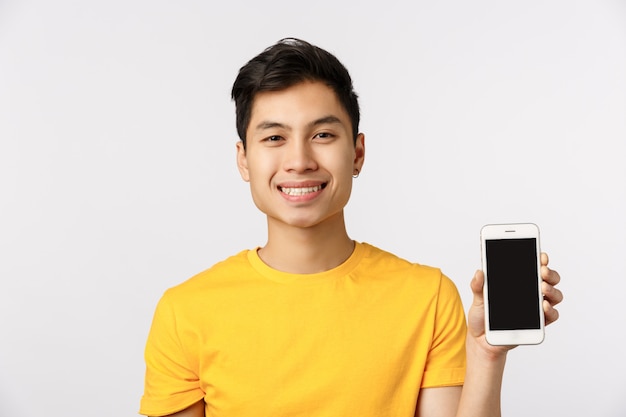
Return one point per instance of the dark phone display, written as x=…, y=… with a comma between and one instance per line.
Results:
x=512, y=284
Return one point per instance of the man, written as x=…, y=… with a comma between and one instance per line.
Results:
x=313, y=323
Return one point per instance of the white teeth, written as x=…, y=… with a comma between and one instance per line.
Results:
x=300, y=190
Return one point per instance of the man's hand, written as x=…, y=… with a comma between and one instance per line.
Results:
x=476, y=315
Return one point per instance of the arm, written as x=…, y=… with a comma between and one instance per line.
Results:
x=480, y=394
x=172, y=380
x=195, y=410
x=438, y=402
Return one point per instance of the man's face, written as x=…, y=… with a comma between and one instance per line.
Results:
x=300, y=155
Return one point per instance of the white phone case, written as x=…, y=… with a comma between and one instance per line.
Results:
x=514, y=314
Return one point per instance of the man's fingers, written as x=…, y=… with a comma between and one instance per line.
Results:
x=550, y=313
x=551, y=294
x=550, y=276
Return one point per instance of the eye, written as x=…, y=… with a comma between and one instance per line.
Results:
x=273, y=140
x=324, y=135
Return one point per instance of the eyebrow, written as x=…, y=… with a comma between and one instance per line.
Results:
x=268, y=124
x=330, y=119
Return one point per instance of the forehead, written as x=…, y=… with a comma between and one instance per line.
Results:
x=298, y=104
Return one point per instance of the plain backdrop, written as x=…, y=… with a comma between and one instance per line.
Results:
x=118, y=176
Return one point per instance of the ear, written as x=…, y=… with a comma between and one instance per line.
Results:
x=359, y=152
x=242, y=162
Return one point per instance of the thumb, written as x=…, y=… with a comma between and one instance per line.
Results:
x=477, y=287
x=476, y=313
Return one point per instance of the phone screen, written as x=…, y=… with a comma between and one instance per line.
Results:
x=512, y=284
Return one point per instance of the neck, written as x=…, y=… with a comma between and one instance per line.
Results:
x=307, y=250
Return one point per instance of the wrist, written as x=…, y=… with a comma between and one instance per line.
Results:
x=482, y=352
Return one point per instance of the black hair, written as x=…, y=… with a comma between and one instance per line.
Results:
x=288, y=62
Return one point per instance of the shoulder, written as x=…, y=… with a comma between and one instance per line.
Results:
x=382, y=266
x=377, y=259
x=420, y=292
x=223, y=273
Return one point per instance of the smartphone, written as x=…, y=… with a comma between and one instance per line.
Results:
x=512, y=290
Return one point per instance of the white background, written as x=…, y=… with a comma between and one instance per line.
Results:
x=118, y=177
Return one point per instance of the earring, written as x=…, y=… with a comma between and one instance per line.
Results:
x=356, y=173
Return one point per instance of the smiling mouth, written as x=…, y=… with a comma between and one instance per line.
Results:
x=298, y=191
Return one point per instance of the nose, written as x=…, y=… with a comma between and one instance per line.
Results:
x=300, y=157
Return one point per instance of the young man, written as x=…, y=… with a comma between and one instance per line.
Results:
x=312, y=323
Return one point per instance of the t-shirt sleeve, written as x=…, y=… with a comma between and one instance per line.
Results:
x=171, y=382
x=445, y=365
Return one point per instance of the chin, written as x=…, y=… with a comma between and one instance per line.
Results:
x=308, y=222
x=302, y=223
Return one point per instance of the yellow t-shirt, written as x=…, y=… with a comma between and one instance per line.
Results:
x=358, y=340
